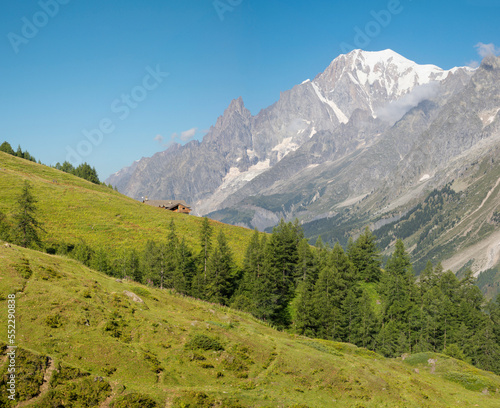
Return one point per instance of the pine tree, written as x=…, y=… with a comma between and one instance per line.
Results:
x=7, y=148
x=305, y=318
x=365, y=256
x=306, y=263
x=154, y=263
x=173, y=274
x=26, y=224
x=186, y=266
x=244, y=297
x=368, y=323
x=86, y=172
x=328, y=296
x=4, y=228
x=399, y=293
x=280, y=270
x=132, y=268
x=220, y=270
x=206, y=244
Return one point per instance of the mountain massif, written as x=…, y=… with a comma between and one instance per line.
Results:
x=375, y=139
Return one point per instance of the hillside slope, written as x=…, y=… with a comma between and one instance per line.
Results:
x=73, y=209
x=95, y=345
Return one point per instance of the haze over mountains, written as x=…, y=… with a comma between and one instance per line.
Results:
x=370, y=136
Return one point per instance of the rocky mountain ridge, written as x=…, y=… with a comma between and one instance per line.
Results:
x=363, y=143
x=240, y=146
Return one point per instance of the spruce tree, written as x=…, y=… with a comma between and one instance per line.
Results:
x=280, y=271
x=400, y=315
x=206, y=244
x=7, y=148
x=26, y=224
x=186, y=266
x=329, y=294
x=365, y=256
x=174, y=277
x=244, y=296
x=220, y=270
x=4, y=228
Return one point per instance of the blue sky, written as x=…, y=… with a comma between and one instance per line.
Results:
x=76, y=67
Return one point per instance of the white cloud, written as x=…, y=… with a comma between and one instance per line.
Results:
x=184, y=136
x=188, y=134
x=395, y=110
x=487, y=49
x=473, y=64
x=159, y=139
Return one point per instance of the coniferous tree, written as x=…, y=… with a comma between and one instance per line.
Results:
x=26, y=223
x=244, y=298
x=305, y=318
x=83, y=253
x=280, y=272
x=173, y=274
x=100, y=262
x=206, y=244
x=306, y=262
x=4, y=228
x=7, y=148
x=400, y=316
x=220, y=269
x=309, y=264
x=132, y=268
x=367, y=325
x=186, y=266
x=86, y=172
x=153, y=263
x=321, y=255
x=365, y=256
x=329, y=294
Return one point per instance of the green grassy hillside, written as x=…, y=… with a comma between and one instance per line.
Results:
x=73, y=209
x=97, y=347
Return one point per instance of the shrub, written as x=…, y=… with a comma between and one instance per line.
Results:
x=134, y=400
x=203, y=342
x=54, y=321
x=24, y=269
x=65, y=373
x=85, y=393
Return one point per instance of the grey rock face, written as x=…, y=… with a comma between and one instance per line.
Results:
x=321, y=142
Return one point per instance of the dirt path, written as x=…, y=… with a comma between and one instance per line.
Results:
x=45, y=385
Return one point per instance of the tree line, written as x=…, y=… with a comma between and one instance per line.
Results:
x=83, y=170
x=331, y=293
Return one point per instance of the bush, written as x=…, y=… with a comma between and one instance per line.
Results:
x=24, y=269
x=140, y=291
x=65, y=373
x=200, y=341
x=85, y=393
x=54, y=321
x=201, y=400
x=470, y=381
x=30, y=369
x=454, y=351
x=134, y=400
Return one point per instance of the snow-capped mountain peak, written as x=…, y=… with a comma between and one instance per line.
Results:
x=370, y=79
